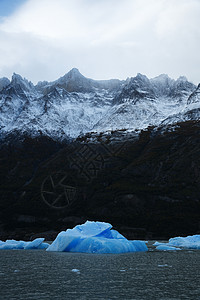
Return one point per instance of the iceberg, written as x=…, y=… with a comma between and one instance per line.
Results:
x=188, y=242
x=94, y=237
x=17, y=245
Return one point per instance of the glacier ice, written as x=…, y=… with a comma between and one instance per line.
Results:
x=94, y=237
x=188, y=242
x=17, y=245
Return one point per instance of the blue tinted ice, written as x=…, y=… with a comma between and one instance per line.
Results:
x=166, y=248
x=17, y=245
x=95, y=237
x=34, y=244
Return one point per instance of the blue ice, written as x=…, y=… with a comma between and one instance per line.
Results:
x=95, y=237
x=166, y=248
x=17, y=245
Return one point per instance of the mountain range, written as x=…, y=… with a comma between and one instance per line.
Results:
x=119, y=151
x=74, y=105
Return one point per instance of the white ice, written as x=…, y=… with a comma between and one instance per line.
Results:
x=94, y=237
x=189, y=242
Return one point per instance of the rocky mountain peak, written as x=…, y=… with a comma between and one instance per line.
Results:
x=162, y=77
x=162, y=84
x=17, y=81
x=4, y=82
x=142, y=77
x=74, y=81
x=16, y=78
x=182, y=78
x=167, y=87
x=74, y=73
x=135, y=89
x=136, y=82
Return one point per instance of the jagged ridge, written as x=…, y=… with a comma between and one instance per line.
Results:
x=73, y=104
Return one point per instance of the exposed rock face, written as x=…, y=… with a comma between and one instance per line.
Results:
x=4, y=82
x=147, y=185
x=195, y=96
x=134, y=90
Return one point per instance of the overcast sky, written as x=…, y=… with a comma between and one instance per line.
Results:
x=44, y=39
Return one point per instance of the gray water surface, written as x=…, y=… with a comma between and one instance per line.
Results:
x=37, y=274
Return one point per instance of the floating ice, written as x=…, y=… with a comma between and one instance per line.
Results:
x=94, y=237
x=189, y=242
x=167, y=248
x=76, y=271
x=17, y=245
x=165, y=265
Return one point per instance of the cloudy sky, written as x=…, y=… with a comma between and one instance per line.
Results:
x=44, y=39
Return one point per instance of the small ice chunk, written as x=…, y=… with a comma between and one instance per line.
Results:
x=167, y=248
x=76, y=271
x=165, y=265
x=158, y=244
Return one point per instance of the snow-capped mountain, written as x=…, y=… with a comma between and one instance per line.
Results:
x=74, y=104
x=191, y=110
x=143, y=102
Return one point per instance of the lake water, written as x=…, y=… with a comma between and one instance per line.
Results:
x=37, y=274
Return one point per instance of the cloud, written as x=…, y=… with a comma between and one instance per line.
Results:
x=44, y=39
